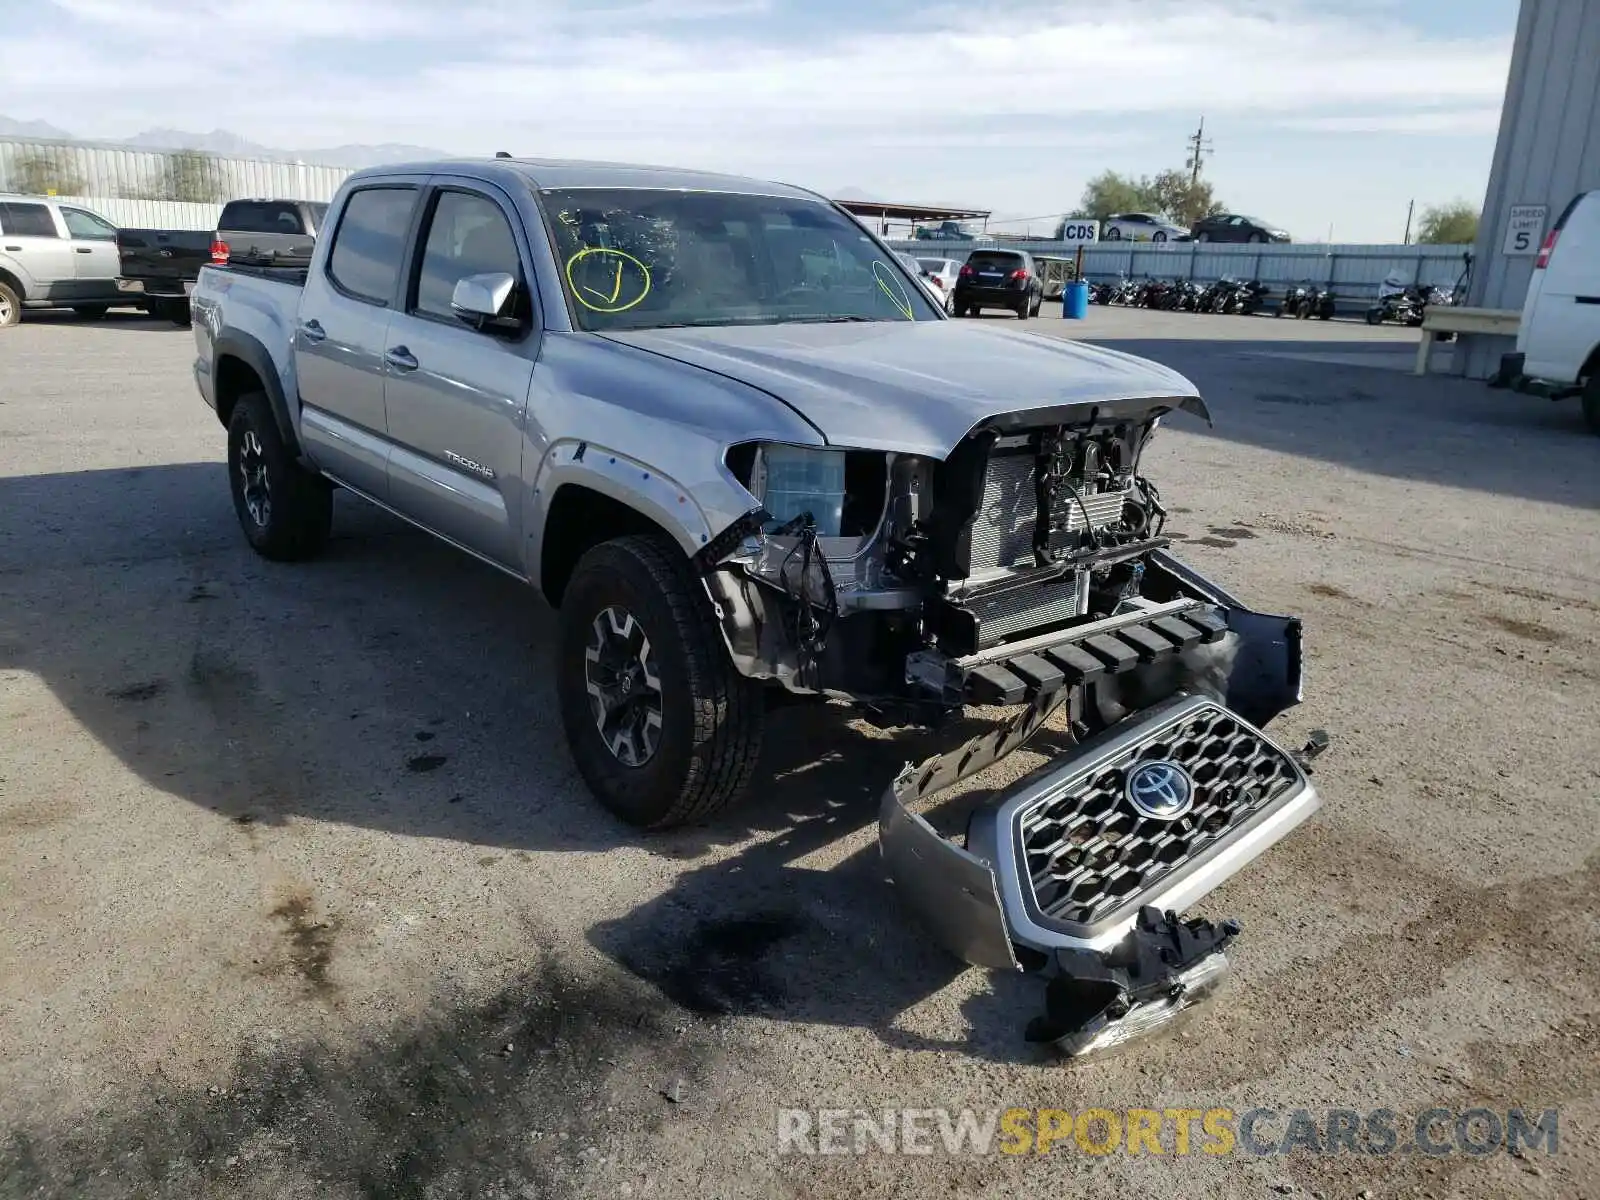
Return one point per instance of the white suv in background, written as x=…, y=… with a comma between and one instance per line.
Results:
x=1558, y=342
x=55, y=255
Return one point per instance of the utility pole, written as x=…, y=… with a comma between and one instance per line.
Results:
x=1199, y=146
x=1406, y=240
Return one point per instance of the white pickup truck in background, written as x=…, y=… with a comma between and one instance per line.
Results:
x=1558, y=344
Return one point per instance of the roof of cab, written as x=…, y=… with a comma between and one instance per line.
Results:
x=550, y=173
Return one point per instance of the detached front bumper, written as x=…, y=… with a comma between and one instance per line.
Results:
x=1071, y=874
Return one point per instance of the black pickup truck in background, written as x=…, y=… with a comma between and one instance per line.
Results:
x=163, y=264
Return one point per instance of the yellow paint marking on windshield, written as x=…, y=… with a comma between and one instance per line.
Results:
x=624, y=292
x=885, y=276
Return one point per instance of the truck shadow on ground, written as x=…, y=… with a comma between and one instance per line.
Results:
x=397, y=685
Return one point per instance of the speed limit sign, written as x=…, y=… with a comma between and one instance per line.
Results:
x=1523, y=229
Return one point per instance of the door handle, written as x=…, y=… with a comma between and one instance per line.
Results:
x=313, y=331
x=84, y=249
x=401, y=359
x=14, y=249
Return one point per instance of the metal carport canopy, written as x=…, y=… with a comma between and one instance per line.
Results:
x=912, y=212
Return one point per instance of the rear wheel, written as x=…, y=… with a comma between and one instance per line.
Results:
x=91, y=312
x=1591, y=402
x=1158, y=236
x=1026, y=307
x=1113, y=234
x=10, y=305
x=1202, y=237
x=174, y=310
x=286, y=512
x=662, y=728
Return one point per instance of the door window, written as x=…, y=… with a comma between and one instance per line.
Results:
x=27, y=220
x=467, y=235
x=370, y=241
x=85, y=226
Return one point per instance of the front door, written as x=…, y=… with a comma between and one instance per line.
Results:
x=30, y=238
x=94, y=252
x=456, y=395
x=342, y=334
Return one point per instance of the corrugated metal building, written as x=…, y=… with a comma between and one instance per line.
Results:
x=1548, y=151
x=171, y=188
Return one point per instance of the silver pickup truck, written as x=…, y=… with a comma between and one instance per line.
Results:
x=719, y=425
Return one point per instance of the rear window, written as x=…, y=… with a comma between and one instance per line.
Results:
x=994, y=260
x=261, y=216
x=365, y=260
x=935, y=265
x=1566, y=212
x=26, y=220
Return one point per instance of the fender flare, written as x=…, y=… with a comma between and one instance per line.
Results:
x=621, y=478
x=250, y=351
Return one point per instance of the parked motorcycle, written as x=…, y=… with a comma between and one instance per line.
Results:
x=1307, y=300
x=1405, y=303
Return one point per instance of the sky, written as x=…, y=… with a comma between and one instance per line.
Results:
x=1323, y=117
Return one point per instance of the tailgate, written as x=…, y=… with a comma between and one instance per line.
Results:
x=163, y=254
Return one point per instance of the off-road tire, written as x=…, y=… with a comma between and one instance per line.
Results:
x=300, y=516
x=711, y=716
x=1591, y=403
x=10, y=305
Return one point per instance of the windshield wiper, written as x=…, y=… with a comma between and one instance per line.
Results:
x=830, y=320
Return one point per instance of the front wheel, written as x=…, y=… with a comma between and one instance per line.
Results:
x=1158, y=236
x=1374, y=316
x=662, y=728
x=286, y=512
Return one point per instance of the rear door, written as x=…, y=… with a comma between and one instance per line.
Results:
x=342, y=332
x=456, y=395
x=30, y=237
x=94, y=250
x=1561, y=316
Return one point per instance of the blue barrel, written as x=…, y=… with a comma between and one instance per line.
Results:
x=1075, y=300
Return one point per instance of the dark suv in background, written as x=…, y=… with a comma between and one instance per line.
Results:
x=999, y=279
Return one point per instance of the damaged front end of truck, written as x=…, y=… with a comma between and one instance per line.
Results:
x=1028, y=567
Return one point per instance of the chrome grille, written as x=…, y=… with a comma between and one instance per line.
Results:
x=1087, y=853
x=1002, y=531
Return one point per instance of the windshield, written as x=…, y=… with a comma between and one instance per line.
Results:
x=647, y=259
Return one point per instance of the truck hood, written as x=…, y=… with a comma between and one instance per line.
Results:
x=919, y=387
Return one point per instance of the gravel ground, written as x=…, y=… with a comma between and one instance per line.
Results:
x=302, y=896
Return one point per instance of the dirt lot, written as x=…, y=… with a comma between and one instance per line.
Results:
x=302, y=897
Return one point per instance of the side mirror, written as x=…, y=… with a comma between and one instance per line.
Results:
x=485, y=299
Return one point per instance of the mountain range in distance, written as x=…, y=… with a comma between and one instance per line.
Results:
x=221, y=141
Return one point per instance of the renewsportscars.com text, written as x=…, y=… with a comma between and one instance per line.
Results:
x=1165, y=1131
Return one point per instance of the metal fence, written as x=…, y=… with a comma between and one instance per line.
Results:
x=106, y=172
x=1351, y=271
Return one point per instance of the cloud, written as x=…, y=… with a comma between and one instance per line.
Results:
x=1451, y=121
x=1034, y=94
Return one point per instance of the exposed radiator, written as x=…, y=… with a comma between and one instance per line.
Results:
x=1002, y=531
